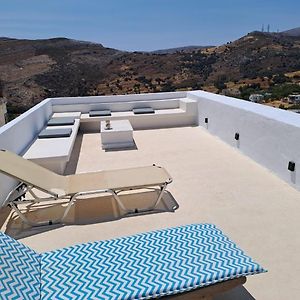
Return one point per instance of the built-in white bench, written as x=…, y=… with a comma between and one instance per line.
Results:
x=167, y=113
x=54, y=153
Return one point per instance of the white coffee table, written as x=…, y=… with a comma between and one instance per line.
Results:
x=119, y=136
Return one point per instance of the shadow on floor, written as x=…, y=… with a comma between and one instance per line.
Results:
x=239, y=293
x=87, y=211
x=133, y=147
x=227, y=290
x=4, y=213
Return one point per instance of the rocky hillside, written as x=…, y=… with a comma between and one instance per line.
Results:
x=33, y=70
x=186, y=49
x=257, y=57
x=292, y=32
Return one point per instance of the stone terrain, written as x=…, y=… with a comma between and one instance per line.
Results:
x=32, y=70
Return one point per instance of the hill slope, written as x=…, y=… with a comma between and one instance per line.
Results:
x=33, y=70
x=292, y=32
x=186, y=49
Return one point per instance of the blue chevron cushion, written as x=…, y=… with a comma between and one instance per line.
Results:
x=144, y=266
x=19, y=270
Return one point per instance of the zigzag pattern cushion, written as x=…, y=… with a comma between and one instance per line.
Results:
x=144, y=266
x=19, y=271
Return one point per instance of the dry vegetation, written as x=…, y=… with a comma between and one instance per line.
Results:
x=33, y=70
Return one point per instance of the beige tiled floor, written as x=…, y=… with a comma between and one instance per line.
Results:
x=212, y=183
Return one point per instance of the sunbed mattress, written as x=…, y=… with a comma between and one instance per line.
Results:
x=20, y=270
x=144, y=266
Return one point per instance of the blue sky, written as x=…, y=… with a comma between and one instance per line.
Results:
x=145, y=24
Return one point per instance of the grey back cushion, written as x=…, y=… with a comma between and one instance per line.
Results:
x=100, y=113
x=55, y=133
x=143, y=110
x=61, y=121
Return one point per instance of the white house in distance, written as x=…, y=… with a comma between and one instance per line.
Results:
x=3, y=111
x=294, y=98
x=258, y=98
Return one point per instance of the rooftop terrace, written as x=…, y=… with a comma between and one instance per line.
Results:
x=213, y=181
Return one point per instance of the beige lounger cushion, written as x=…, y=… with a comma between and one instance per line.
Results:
x=33, y=174
x=118, y=179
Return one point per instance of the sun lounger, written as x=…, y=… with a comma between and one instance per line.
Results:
x=32, y=176
x=196, y=258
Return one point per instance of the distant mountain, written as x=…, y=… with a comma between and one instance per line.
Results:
x=180, y=49
x=32, y=70
x=292, y=32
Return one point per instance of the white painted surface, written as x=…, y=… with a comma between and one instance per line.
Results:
x=129, y=106
x=171, y=113
x=18, y=134
x=53, y=153
x=118, y=106
x=160, y=119
x=119, y=98
x=268, y=135
x=119, y=136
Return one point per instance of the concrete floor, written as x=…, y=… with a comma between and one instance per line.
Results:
x=212, y=182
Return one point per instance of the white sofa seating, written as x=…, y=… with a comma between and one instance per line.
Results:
x=167, y=113
x=53, y=153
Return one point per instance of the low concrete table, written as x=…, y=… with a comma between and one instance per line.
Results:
x=119, y=136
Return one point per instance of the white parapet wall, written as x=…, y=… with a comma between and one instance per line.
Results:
x=53, y=153
x=83, y=104
x=18, y=134
x=171, y=110
x=268, y=135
